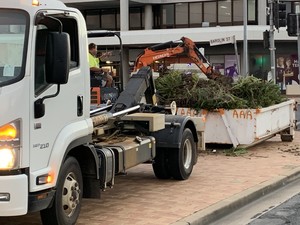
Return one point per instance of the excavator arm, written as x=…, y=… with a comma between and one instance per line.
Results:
x=185, y=46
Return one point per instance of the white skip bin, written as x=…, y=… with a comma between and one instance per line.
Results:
x=246, y=126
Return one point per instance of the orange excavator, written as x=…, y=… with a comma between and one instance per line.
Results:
x=184, y=46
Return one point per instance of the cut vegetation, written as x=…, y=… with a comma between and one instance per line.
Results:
x=193, y=92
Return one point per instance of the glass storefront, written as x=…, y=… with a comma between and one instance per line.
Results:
x=176, y=15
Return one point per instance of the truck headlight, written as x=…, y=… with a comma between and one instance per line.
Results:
x=10, y=145
x=7, y=158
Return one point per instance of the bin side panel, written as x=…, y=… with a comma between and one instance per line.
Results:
x=215, y=129
x=273, y=121
x=242, y=123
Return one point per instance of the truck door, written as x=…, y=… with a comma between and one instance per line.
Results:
x=61, y=110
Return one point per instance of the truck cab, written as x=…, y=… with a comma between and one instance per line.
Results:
x=36, y=121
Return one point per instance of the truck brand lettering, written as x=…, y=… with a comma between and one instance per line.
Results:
x=41, y=146
x=46, y=145
x=36, y=145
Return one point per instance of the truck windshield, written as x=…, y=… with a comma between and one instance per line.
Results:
x=13, y=29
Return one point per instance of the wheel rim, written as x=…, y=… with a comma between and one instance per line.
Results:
x=71, y=195
x=187, y=154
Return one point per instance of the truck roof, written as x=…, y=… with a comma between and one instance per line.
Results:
x=32, y=6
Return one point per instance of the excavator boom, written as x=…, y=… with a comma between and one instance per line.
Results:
x=164, y=50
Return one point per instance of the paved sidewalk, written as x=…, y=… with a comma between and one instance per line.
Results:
x=218, y=185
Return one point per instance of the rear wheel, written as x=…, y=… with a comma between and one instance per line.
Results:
x=287, y=137
x=182, y=159
x=67, y=200
x=160, y=164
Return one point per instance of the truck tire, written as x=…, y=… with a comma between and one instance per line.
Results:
x=67, y=200
x=160, y=164
x=287, y=137
x=182, y=159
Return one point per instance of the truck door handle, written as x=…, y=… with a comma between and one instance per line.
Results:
x=79, y=105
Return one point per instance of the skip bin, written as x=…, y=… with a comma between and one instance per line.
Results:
x=246, y=126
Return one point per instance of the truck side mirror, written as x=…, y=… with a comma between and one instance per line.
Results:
x=57, y=58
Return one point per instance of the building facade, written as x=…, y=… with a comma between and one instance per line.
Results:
x=146, y=22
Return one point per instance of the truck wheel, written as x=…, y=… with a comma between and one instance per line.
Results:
x=160, y=164
x=287, y=137
x=67, y=200
x=182, y=159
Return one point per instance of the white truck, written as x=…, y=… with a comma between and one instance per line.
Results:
x=53, y=149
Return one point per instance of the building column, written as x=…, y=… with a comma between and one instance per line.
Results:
x=242, y=66
x=124, y=26
x=125, y=66
x=262, y=15
x=148, y=17
x=124, y=15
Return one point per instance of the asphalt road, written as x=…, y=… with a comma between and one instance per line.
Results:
x=277, y=208
x=286, y=213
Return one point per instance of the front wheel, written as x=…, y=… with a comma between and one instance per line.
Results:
x=67, y=200
x=182, y=159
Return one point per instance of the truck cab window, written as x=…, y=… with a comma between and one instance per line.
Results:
x=40, y=60
x=13, y=31
x=70, y=27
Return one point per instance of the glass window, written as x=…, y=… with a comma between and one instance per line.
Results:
x=251, y=10
x=93, y=20
x=195, y=14
x=237, y=10
x=108, y=19
x=182, y=10
x=70, y=27
x=156, y=16
x=13, y=28
x=210, y=12
x=168, y=17
x=118, y=21
x=40, y=83
x=224, y=11
x=296, y=6
x=135, y=18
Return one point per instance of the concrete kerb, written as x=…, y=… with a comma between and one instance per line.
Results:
x=235, y=202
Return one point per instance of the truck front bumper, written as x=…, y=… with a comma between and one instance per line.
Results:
x=13, y=195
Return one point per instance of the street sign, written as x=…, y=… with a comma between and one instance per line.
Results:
x=227, y=40
x=222, y=41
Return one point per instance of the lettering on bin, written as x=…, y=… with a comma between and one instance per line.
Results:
x=242, y=114
x=188, y=112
